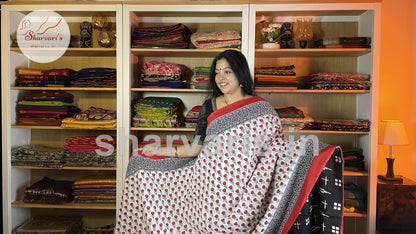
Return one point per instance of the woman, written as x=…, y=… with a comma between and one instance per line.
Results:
x=246, y=177
x=231, y=82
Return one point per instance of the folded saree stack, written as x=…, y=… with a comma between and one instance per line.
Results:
x=30, y=77
x=92, y=118
x=97, y=77
x=340, y=81
x=340, y=125
x=83, y=151
x=292, y=117
x=160, y=74
x=48, y=224
x=94, y=190
x=159, y=112
x=49, y=191
x=355, y=199
x=169, y=36
x=192, y=116
x=201, y=77
x=45, y=108
x=279, y=77
x=38, y=156
x=353, y=159
x=217, y=39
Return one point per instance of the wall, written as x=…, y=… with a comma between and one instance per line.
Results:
x=398, y=81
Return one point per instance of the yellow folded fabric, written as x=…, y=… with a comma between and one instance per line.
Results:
x=95, y=181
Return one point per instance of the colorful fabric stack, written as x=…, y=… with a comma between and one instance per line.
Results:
x=343, y=42
x=81, y=152
x=29, y=77
x=340, y=125
x=192, y=116
x=353, y=158
x=93, y=118
x=217, y=39
x=163, y=75
x=279, y=77
x=45, y=108
x=94, y=190
x=160, y=112
x=170, y=36
x=97, y=77
x=292, y=117
x=201, y=77
x=340, y=81
x=49, y=191
x=38, y=156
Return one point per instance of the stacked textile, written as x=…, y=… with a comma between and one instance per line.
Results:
x=94, y=190
x=279, y=77
x=217, y=39
x=343, y=42
x=340, y=125
x=170, y=36
x=45, y=108
x=341, y=81
x=38, y=156
x=353, y=158
x=92, y=118
x=30, y=77
x=83, y=151
x=201, y=77
x=354, y=199
x=192, y=116
x=292, y=117
x=49, y=191
x=160, y=74
x=97, y=77
x=48, y=224
x=106, y=229
x=160, y=112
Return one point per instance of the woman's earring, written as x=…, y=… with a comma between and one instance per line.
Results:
x=241, y=85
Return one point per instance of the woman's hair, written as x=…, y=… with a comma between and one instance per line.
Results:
x=240, y=68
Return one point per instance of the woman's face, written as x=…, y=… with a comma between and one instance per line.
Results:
x=225, y=78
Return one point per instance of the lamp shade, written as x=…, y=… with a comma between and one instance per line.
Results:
x=393, y=133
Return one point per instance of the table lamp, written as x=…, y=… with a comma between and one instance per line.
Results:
x=393, y=134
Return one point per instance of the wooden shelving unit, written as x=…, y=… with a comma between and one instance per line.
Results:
x=358, y=18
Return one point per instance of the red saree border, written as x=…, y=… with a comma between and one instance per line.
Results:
x=232, y=107
x=314, y=171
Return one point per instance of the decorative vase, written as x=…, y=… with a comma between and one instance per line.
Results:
x=271, y=46
x=303, y=31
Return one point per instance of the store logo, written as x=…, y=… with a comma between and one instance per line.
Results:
x=43, y=36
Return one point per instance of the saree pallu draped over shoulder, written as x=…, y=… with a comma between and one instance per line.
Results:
x=246, y=179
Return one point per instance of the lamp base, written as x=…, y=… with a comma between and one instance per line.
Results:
x=396, y=179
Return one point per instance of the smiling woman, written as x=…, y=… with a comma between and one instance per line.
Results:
x=246, y=176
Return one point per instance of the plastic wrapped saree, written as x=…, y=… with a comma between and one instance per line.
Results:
x=246, y=179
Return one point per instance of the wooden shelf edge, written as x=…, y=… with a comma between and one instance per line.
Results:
x=257, y=91
x=68, y=205
x=63, y=88
x=59, y=128
x=356, y=215
x=165, y=52
x=169, y=90
x=182, y=129
x=68, y=168
x=355, y=173
x=312, y=52
x=81, y=51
